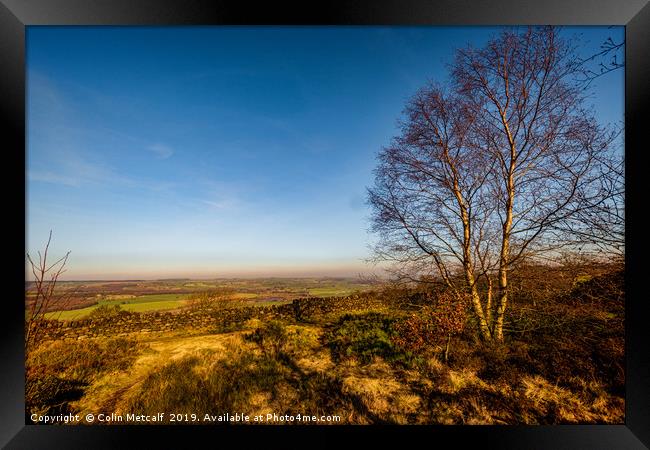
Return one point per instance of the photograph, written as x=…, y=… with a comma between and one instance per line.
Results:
x=325, y=225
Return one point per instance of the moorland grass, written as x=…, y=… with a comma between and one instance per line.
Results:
x=58, y=372
x=562, y=362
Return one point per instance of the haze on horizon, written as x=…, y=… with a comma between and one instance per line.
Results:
x=214, y=152
x=360, y=271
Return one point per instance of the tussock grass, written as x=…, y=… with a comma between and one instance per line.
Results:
x=224, y=385
x=562, y=362
x=58, y=373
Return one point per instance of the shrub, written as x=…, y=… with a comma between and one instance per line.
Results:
x=394, y=295
x=415, y=333
x=362, y=336
x=300, y=340
x=227, y=327
x=432, y=325
x=103, y=311
x=271, y=337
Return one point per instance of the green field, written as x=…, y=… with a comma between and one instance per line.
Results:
x=332, y=291
x=144, y=303
x=137, y=296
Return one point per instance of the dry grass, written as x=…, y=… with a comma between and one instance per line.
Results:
x=349, y=365
x=58, y=373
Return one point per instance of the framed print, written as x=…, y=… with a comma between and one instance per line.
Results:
x=380, y=220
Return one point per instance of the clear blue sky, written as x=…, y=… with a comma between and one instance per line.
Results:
x=224, y=151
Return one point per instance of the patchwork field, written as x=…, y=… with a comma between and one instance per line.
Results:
x=165, y=295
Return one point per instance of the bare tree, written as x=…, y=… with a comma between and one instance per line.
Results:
x=610, y=57
x=599, y=227
x=492, y=171
x=46, y=297
x=429, y=198
x=216, y=299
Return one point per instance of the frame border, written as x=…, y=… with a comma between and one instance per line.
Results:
x=15, y=15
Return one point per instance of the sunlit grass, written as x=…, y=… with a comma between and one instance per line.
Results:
x=153, y=306
x=144, y=303
x=330, y=291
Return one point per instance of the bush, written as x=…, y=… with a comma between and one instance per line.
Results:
x=271, y=337
x=362, y=336
x=301, y=340
x=227, y=327
x=103, y=311
x=415, y=333
x=432, y=325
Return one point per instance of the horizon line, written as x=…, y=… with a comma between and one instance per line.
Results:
x=211, y=278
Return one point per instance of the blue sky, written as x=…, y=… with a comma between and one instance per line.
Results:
x=225, y=151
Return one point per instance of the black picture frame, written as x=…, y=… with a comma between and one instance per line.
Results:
x=15, y=15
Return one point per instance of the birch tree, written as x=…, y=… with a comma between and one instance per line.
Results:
x=491, y=169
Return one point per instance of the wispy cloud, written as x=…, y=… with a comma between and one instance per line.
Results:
x=70, y=168
x=63, y=152
x=162, y=151
x=221, y=204
x=50, y=177
x=222, y=195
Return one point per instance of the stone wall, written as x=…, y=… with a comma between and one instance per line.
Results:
x=125, y=322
